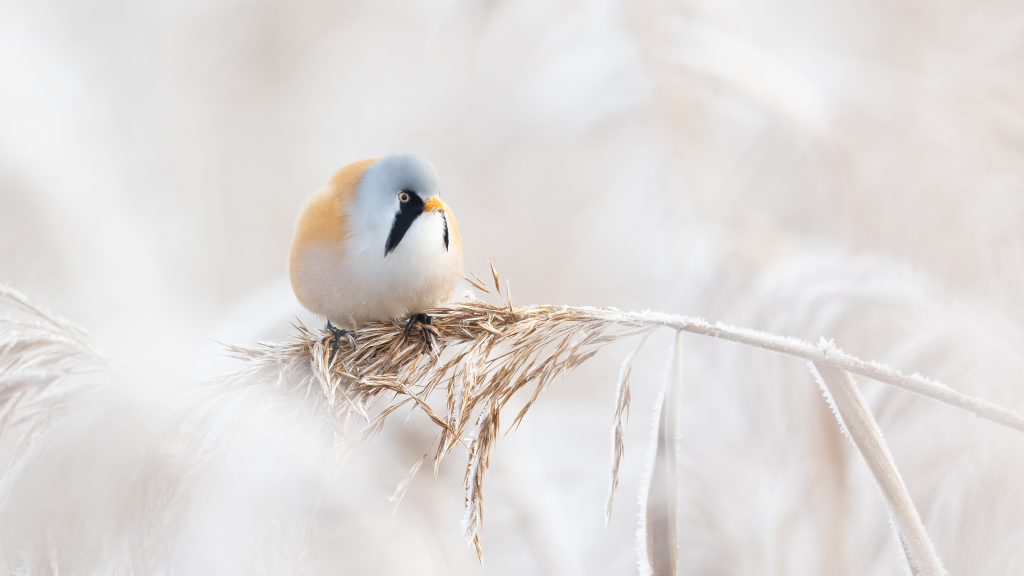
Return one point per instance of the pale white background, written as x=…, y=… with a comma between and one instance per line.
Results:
x=853, y=170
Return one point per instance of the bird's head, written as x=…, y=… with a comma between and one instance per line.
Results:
x=394, y=193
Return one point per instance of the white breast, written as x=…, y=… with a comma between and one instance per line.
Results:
x=360, y=283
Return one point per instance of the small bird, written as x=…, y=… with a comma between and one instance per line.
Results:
x=376, y=243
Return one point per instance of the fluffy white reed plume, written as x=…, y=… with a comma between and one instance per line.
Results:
x=103, y=476
x=489, y=353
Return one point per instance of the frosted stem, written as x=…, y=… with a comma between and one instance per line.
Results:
x=657, y=535
x=824, y=354
x=860, y=426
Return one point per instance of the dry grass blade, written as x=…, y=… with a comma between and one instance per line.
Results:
x=475, y=282
x=403, y=486
x=657, y=533
x=494, y=274
x=859, y=425
x=622, y=398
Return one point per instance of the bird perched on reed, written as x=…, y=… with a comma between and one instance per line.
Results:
x=376, y=243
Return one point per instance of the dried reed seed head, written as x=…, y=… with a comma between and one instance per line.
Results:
x=485, y=355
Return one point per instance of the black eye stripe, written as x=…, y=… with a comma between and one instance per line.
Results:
x=444, y=219
x=407, y=214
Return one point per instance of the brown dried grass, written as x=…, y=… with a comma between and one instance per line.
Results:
x=485, y=354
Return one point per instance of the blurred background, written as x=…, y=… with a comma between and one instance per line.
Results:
x=851, y=170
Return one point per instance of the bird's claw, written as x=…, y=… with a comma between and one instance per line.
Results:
x=338, y=333
x=425, y=322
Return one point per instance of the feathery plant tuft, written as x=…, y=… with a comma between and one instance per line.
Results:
x=42, y=360
x=488, y=352
x=479, y=356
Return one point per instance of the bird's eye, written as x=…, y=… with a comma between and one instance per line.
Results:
x=403, y=197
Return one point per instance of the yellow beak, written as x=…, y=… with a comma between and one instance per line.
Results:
x=434, y=204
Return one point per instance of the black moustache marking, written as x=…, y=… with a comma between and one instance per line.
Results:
x=407, y=214
x=444, y=218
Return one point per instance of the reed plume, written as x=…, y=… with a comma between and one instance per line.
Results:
x=488, y=352
x=478, y=356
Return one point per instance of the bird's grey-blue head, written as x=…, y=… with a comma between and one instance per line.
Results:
x=400, y=187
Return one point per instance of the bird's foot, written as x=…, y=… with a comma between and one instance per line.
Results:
x=425, y=322
x=338, y=333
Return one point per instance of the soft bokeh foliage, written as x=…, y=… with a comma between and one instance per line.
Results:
x=853, y=170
